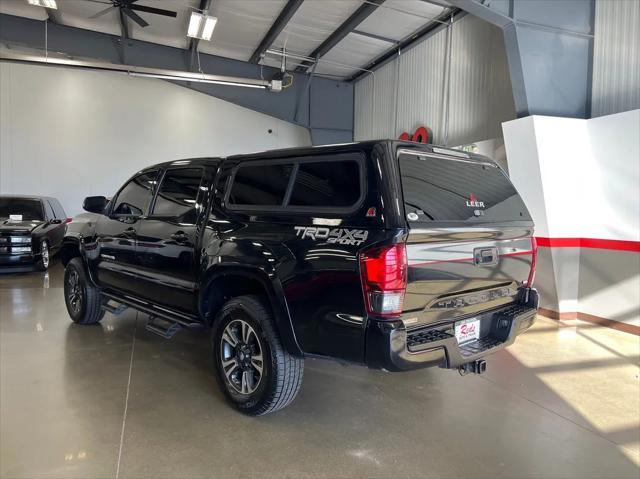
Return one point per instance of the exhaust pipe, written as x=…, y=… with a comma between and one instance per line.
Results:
x=479, y=366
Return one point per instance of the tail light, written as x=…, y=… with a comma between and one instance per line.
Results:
x=534, y=260
x=384, y=279
x=68, y=220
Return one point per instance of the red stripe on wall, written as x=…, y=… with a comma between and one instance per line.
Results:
x=615, y=245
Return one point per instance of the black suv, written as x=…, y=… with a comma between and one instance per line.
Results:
x=386, y=253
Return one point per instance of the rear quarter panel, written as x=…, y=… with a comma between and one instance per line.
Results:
x=314, y=257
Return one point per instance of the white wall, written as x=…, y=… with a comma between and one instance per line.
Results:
x=581, y=179
x=71, y=133
x=587, y=170
x=408, y=92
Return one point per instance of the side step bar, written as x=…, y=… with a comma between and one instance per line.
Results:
x=161, y=322
x=115, y=310
x=162, y=327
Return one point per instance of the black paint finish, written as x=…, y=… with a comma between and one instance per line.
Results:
x=189, y=268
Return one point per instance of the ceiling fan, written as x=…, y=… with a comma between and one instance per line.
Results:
x=129, y=8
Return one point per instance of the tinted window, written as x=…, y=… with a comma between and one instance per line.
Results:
x=29, y=209
x=135, y=197
x=326, y=184
x=178, y=194
x=49, y=210
x=447, y=190
x=57, y=209
x=260, y=184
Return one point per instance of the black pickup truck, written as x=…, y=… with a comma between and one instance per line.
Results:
x=386, y=253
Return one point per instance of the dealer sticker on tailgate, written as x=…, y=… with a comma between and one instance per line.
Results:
x=468, y=330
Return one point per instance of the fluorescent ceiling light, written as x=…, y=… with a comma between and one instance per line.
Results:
x=201, y=26
x=44, y=3
x=195, y=79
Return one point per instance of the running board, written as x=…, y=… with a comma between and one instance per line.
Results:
x=165, y=315
x=115, y=310
x=162, y=327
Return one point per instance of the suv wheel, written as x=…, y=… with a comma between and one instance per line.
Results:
x=255, y=373
x=43, y=262
x=81, y=297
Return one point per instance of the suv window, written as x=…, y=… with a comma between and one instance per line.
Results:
x=57, y=209
x=135, y=196
x=49, y=210
x=178, y=194
x=298, y=184
x=259, y=184
x=327, y=183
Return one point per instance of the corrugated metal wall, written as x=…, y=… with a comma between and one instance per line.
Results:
x=616, y=57
x=480, y=99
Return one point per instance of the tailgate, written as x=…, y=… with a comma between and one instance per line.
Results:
x=469, y=244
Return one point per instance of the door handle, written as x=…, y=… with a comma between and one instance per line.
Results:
x=179, y=236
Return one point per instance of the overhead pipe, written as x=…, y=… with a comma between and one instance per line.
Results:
x=174, y=75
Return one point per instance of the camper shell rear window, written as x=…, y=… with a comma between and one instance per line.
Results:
x=437, y=187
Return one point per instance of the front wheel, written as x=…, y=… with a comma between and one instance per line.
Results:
x=81, y=297
x=255, y=373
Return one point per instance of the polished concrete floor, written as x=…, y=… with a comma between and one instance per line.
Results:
x=113, y=400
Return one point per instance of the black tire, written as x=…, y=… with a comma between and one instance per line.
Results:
x=43, y=262
x=282, y=373
x=81, y=297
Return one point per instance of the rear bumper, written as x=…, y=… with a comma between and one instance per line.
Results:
x=390, y=346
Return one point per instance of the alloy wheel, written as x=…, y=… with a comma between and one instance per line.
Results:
x=75, y=293
x=242, y=356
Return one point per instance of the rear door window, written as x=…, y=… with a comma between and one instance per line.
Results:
x=178, y=195
x=442, y=189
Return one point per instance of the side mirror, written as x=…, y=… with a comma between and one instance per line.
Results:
x=94, y=204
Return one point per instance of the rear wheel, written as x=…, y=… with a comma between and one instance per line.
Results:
x=81, y=297
x=255, y=373
x=43, y=262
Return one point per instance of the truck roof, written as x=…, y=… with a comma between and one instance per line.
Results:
x=315, y=150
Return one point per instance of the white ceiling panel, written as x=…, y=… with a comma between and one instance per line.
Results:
x=352, y=52
x=314, y=21
x=241, y=23
x=241, y=26
x=397, y=19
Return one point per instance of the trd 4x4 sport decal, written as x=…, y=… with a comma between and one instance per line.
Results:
x=335, y=235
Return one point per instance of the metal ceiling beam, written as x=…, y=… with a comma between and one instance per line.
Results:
x=193, y=44
x=343, y=30
x=409, y=41
x=376, y=37
x=278, y=25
